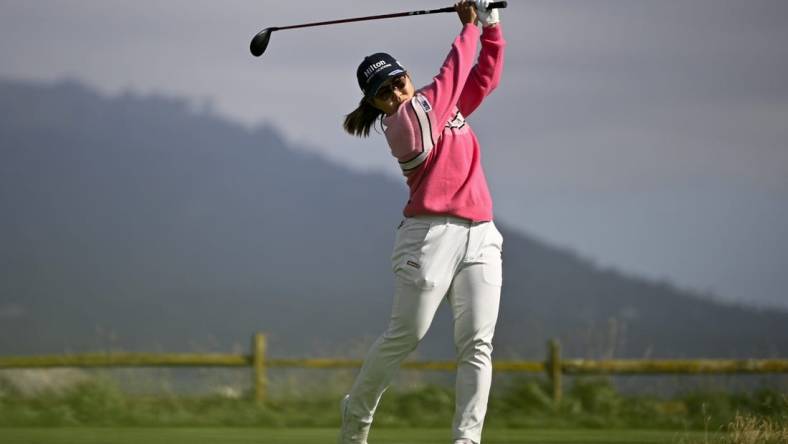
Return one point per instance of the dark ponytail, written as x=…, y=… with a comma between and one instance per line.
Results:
x=361, y=119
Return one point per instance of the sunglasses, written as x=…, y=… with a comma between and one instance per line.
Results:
x=387, y=89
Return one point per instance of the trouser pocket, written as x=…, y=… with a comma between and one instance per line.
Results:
x=492, y=264
x=409, y=261
x=410, y=271
x=492, y=271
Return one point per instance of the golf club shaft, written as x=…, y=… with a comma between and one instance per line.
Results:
x=493, y=5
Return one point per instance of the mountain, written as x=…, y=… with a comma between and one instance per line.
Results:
x=139, y=223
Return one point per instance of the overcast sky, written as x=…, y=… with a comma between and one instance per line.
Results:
x=648, y=135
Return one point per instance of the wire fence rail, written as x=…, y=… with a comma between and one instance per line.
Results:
x=554, y=365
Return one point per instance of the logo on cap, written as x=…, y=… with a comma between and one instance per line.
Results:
x=374, y=68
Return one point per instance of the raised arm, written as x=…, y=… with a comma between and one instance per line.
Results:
x=444, y=92
x=486, y=75
x=417, y=125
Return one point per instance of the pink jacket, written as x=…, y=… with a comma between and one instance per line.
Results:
x=436, y=148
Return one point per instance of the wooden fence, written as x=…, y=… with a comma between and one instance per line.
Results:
x=554, y=366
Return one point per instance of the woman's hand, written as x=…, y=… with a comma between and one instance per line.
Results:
x=487, y=17
x=466, y=10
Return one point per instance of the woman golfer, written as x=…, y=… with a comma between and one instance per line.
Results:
x=447, y=245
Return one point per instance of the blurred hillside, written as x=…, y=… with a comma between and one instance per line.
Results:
x=140, y=223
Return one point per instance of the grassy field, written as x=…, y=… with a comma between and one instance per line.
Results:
x=326, y=436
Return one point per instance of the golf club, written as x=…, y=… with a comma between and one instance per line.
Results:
x=260, y=41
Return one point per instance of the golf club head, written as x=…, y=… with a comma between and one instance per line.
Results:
x=260, y=42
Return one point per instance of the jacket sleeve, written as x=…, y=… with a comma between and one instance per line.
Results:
x=410, y=135
x=414, y=129
x=441, y=96
x=486, y=75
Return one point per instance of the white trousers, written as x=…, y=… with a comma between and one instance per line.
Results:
x=436, y=257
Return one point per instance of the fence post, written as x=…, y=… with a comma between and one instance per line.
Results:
x=258, y=363
x=554, y=369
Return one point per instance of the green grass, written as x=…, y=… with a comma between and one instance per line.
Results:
x=592, y=411
x=326, y=436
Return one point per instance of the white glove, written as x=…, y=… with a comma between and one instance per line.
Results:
x=486, y=17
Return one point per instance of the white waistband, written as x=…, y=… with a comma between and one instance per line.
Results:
x=448, y=219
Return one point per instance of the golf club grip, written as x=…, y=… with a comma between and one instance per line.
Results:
x=493, y=5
